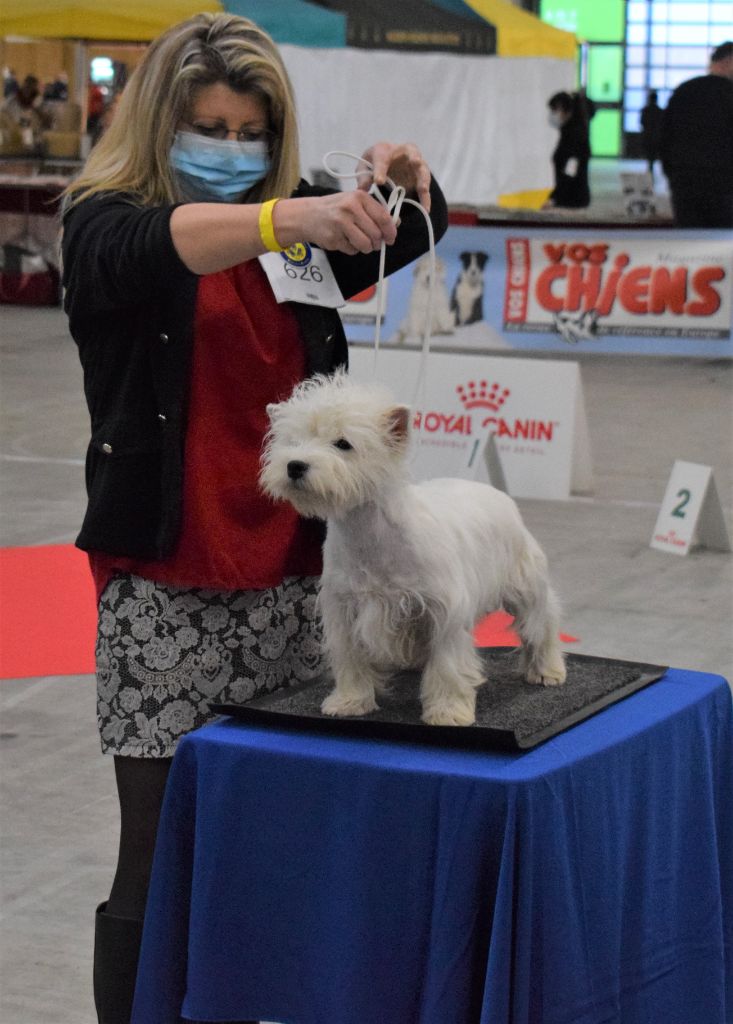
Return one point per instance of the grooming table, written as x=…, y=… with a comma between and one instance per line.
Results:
x=314, y=878
x=510, y=713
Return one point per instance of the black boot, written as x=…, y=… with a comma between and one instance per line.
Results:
x=116, y=951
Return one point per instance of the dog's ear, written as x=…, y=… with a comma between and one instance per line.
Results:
x=398, y=422
x=482, y=258
x=271, y=409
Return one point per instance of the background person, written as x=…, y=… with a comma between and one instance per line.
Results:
x=10, y=82
x=651, y=119
x=58, y=89
x=697, y=145
x=24, y=108
x=571, y=114
x=95, y=107
x=207, y=589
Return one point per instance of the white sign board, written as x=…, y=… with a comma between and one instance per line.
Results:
x=532, y=409
x=586, y=288
x=691, y=512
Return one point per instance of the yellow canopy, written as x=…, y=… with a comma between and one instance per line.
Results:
x=520, y=34
x=63, y=19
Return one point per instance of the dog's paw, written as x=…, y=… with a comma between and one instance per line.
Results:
x=553, y=674
x=340, y=705
x=457, y=713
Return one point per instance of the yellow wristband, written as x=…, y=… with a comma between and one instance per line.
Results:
x=267, y=230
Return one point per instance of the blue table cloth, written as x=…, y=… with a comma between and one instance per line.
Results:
x=324, y=880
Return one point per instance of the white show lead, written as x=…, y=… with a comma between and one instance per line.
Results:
x=393, y=205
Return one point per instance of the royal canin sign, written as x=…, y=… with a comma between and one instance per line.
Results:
x=479, y=398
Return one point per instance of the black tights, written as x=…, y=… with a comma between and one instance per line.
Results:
x=140, y=786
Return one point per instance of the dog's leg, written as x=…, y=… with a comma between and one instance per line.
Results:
x=537, y=612
x=356, y=683
x=356, y=680
x=449, y=682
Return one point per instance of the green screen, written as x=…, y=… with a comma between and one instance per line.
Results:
x=595, y=20
x=605, y=133
x=605, y=73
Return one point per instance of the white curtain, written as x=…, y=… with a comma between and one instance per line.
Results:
x=480, y=121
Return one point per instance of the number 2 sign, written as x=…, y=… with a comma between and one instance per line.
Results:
x=685, y=495
x=690, y=512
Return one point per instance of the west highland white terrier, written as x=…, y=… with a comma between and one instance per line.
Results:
x=442, y=318
x=408, y=568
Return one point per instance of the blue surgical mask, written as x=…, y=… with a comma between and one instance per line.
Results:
x=217, y=170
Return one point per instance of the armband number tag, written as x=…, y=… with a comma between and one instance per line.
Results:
x=302, y=273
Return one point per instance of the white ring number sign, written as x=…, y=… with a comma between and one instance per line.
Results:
x=691, y=512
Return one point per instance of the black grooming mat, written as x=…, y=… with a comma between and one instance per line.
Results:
x=510, y=714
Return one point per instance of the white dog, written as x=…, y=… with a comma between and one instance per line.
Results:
x=408, y=568
x=442, y=320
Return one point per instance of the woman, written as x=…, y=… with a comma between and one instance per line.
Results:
x=207, y=589
x=571, y=114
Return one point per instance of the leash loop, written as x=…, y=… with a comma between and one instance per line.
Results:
x=393, y=204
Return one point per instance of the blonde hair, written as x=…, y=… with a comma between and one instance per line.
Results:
x=133, y=154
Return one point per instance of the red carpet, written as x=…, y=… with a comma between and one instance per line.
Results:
x=48, y=614
x=495, y=631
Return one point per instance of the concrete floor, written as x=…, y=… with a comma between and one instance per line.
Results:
x=623, y=599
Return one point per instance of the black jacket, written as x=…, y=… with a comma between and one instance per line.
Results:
x=131, y=303
x=697, y=133
x=572, y=190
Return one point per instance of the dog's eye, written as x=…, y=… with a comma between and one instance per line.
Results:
x=343, y=445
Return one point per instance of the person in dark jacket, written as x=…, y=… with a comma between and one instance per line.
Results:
x=25, y=109
x=697, y=145
x=651, y=118
x=571, y=114
x=206, y=587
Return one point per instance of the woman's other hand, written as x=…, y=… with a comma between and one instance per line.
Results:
x=404, y=164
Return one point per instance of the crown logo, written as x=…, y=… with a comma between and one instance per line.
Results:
x=482, y=395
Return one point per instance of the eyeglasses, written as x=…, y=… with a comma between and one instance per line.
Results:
x=220, y=131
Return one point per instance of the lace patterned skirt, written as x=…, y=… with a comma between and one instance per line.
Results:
x=165, y=653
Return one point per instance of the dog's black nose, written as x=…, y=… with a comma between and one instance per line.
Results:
x=297, y=469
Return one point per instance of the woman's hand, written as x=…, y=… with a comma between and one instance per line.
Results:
x=404, y=164
x=348, y=222
x=353, y=222
x=209, y=237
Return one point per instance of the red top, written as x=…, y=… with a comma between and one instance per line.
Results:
x=247, y=352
